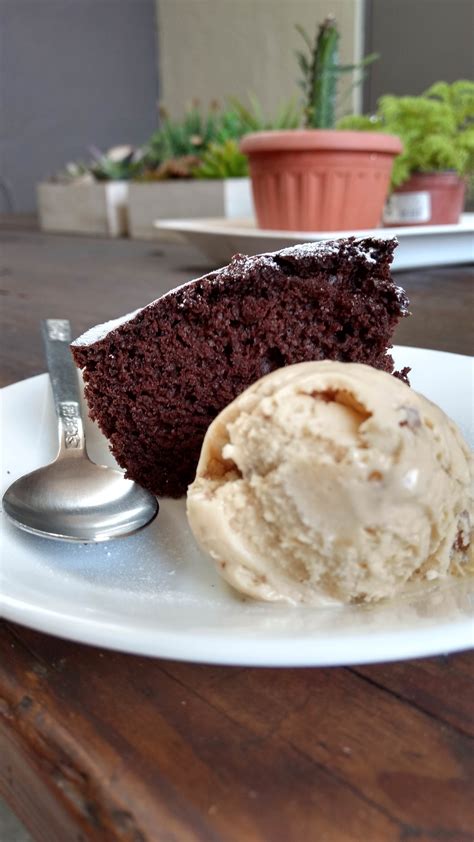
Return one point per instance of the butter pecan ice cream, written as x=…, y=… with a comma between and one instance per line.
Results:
x=332, y=482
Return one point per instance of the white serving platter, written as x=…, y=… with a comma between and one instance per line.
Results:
x=419, y=245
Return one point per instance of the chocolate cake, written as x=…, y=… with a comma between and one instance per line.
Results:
x=156, y=379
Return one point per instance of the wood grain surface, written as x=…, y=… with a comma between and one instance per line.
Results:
x=96, y=745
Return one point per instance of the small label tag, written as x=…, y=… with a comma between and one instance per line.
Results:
x=407, y=207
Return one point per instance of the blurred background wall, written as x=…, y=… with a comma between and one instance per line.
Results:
x=72, y=73
x=233, y=47
x=420, y=42
x=80, y=72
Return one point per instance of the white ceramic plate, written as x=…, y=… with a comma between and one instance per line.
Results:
x=155, y=594
x=419, y=245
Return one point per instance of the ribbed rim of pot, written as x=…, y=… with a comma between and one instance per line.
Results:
x=321, y=139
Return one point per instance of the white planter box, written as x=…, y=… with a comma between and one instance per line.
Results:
x=184, y=198
x=100, y=208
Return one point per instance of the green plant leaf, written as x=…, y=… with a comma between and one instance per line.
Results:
x=304, y=35
x=436, y=129
x=345, y=68
x=222, y=161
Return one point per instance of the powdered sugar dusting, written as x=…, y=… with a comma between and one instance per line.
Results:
x=365, y=253
x=98, y=332
x=314, y=249
x=402, y=299
x=362, y=249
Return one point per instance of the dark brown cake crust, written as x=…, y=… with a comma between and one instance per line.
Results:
x=156, y=382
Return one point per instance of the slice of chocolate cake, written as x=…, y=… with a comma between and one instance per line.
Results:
x=156, y=379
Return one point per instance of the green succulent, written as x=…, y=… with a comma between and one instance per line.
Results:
x=321, y=72
x=189, y=136
x=222, y=160
x=73, y=172
x=436, y=129
x=217, y=132
x=121, y=163
x=253, y=118
x=231, y=126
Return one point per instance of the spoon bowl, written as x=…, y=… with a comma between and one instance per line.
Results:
x=78, y=501
x=73, y=499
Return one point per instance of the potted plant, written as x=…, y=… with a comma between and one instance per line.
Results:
x=168, y=186
x=437, y=129
x=319, y=177
x=90, y=198
x=194, y=168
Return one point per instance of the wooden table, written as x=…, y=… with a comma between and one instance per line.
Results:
x=102, y=746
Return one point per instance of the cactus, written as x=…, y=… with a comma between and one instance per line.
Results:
x=321, y=72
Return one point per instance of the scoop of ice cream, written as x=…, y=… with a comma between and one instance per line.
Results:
x=330, y=481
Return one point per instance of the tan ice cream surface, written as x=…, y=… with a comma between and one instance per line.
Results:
x=330, y=481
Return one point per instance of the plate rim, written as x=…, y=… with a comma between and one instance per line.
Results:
x=330, y=653
x=224, y=226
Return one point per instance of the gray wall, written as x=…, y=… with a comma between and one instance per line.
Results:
x=73, y=73
x=420, y=42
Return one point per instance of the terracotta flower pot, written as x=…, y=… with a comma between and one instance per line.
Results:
x=427, y=199
x=320, y=180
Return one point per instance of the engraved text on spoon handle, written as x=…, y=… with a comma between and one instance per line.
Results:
x=63, y=375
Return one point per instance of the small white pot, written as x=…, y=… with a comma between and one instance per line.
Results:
x=185, y=198
x=100, y=208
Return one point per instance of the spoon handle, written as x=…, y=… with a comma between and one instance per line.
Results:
x=63, y=376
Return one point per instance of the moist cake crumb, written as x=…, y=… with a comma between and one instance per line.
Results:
x=157, y=378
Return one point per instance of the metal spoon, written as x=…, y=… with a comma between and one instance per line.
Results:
x=73, y=499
